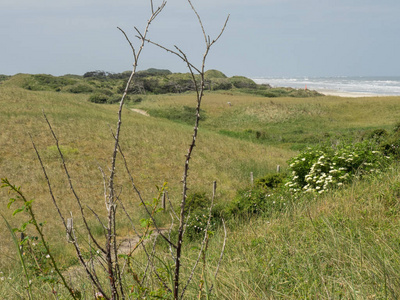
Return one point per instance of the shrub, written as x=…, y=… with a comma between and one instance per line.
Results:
x=220, y=84
x=98, y=98
x=44, y=82
x=271, y=181
x=320, y=169
x=376, y=135
x=258, y=200
x=212, y=74
x=199, y=206
x=80, y=88
x=115, y=99
x=242, y=82
x=183, y=114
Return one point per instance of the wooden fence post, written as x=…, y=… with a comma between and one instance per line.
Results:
x=278, y=168
x=214, y=189
x=70, y=230
x=251, y=178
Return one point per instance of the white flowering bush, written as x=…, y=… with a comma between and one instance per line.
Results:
x=320, y=169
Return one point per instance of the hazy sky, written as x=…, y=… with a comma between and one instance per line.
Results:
x=263, y=37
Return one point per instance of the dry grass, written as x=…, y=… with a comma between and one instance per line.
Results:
x=154, y=149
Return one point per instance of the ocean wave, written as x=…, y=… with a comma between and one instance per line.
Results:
x=377, y=85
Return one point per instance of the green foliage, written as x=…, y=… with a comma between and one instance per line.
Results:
x=80, y=88
x=20, y=256
x=271, y=181
x=36, y=261
x=4, y=77
x=184, y=114
x=389, y=143
x=44, y=82
x=219, y=84
x=214, y=74
x=199, y=206
x=376, y=135
x=269, y=92
x=258, y=200
x=153, y=72
x=99, y=98
x=242, y=82
x=321, y=168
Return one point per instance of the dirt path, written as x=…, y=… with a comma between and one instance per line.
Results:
x=125, y=246
x=140, y=111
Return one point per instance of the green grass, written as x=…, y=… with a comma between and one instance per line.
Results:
x=342, y=245
x=290, y=123
x=345, y=245
x=154, y=147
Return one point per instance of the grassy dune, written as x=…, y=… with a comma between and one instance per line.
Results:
x=154, y=148
x=343, y=245
x=286, y=122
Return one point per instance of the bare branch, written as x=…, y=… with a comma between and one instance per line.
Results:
x=71, y=235
x=222, y=31
x=97, y=217
x=200, y=22
x=133, y=48
x=70, y=183
x=141, y=199
x=173, y=52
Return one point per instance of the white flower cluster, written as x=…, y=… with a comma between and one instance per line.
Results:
x=318, y=171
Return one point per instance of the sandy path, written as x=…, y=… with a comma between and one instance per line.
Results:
x=140, y=111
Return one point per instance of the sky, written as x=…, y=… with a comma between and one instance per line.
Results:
x=263, y=38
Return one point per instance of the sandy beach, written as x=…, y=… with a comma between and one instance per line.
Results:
x=327, y=92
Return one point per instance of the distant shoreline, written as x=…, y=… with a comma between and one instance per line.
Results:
x=350, y=94
x=340, y=86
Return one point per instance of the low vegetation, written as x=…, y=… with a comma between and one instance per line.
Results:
x=106, y=87
x=326, y=226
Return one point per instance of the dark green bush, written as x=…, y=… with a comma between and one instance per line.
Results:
x=376, y=135
x=183, y=114
x=241, y=82
x=80, y=88
x=44, y=82
x=271, y=181
x=116, y=99
x=220, y=84
x=99, y=98
x=199, y=206
x=213, y=74
x=106, y=92
x=258, y=200
x=4, y=77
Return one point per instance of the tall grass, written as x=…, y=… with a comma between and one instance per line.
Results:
x=341, y=245
x=152, y=146
x=287, y=122
x=345, y=245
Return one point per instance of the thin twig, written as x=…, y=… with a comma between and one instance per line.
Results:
x=141, y=198
x=220, y=257
x=71, y=185
x=71, y=235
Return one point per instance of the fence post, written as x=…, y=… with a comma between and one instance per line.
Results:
x=278, y=168
x=214, y=188
x=70, y=228
x=251, y=178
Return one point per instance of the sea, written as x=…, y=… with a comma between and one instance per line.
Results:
x=380, y=86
